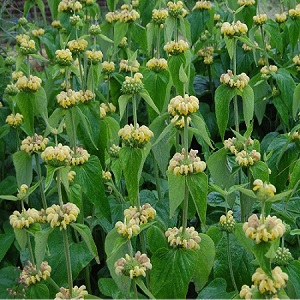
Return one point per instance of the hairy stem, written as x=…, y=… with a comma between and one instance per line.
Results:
x=41, y=186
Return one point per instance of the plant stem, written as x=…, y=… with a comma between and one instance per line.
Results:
x=65, y=237
x=158, y=43
x=157, y=179
x=81, y=74
x=230, y=262
x=41, y=186
x=185, y=138
x=30, y=249
x=68, y=260
x=185, y=206
x=235, y=103
x=53, y=283
x=135, y=290
x=264, y=45
x=134, y=110
x=73, y=130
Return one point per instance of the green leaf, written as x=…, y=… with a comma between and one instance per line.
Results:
x=216, y=289
x=204, y=262
x=108, y=287
x=165, y=281
x=132, y=161
x=49, y=176
x=8, y=185
x=295, y=232
x=116, y=247
x=260, y=250
x=174, y=63
x=120, y=30
x=86, y=235
x=296, y=101
x=9, y=197
x=198, y=187
x=145, y=95
x=4, y=130
x=41, y=240
x=9, y=276
x=150, y=37
x=230, y=45
x=182, y=76
x=199, y=123
x=293, y=284
x=23, y=166
x=176, y=191
x=113, y=128
x=6, y=240
x=223, y=96
x=279, y=196
x=241, y=237
x=156, y=238
x=260, y=170
x=140, y=283
x=123, y=100
x=248, y=104
x=25, y=102
x=41, y=7
x=21, y=237
x=89, y=176
x=37, y=291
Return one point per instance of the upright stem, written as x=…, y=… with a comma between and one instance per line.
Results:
x=134, y=104
x=81, y=74
x=73, y=131
x=264, y=45
x=235, y=102
x=185, y=138
x=157, y=179
x=158, y=43
x=41, y=186
x=28, y=66
x=185, y=206
x=30, y=249
x=135, y=290
x=230, y=263
x=65, y=238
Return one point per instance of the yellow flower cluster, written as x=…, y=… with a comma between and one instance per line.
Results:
x=25, y=218
x=108, y=67
x=22, y=21
x=77, y=46
x=14, y=120
x=263, y=229
x=27, y=47
x=202, y=5
x=112, y=16
x=20, y=38
x=246, y=2
x=80, y=157
x=11, y=89
x=176, y=48
x=135, y=137
x=227, y=222
x=189, y=239
x=132, y=85
x=94, y=56
x=296, y=135
x=246, y=292
x=235, y=28
x=63, y=57
x=127, y=66
x=30, y=274
x=267, y=285
x=106, y=175
x=140, y=216
x=57, y=156
x=61, y=217
x=281, y=18
x=183, y=106
x=295, y=12
x=56, y=24
x=68, y=99
x=38, y=32
x=69, y=6
x=247, y=158
x=266, y=70
x=75, y=20
x=123, y=43
x=34, y=144
x=133, y=266
x=264, y=190
x=179, y=121
x=176, y=9
x=133, y=218
x=9, y=60
x=95, y=29
x=29, y=85
x=71, y=176
x=106, y=108
x=128, y=15
x=296, y=61
x=114, y=150
x=22, y=191
x=260, y=19
x=235, y=81
x=85, y=96
x=159, y=16
x=77, y=293
x=16, y=75
x=180, y=166
x=234, y=145
x=207, y=54
x=157, y=64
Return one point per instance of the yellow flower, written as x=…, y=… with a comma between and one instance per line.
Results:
x=94, y=56
x=260, y=19
x=11, y=89
x=190, y=239
x=234, y=28
x=235, y=81
x=227, y=222
x=108, y=67
x=29, y=85
x=14, y=120
x=24, y=219
x=77, y=46
x=71, y=176
x=128, y=15
x=245, y=158
x=106, y=108
x=68, y=99
x=295, y=12
x=246, y=292
x=106, y=175
x=61, y=217
x=38, y=32
x=77, y=293
x=202, y=5
x=27, y=47
x=133, y=266
x=176, y=48
x=34, y=144
x=176, y=9
x=157, y=64
x=281, y=18
x=128, y=66
x=112, y=16
x=69, y=6
x=159, y=16
x=263, y=229
x=56, y=24
x=132, y=85
x=63, y=57
x=183, y=106
x=57, y=156
x=246, y=2
x=30, y=275
x=264, y=190
x=135, y=137
x=81, y=157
